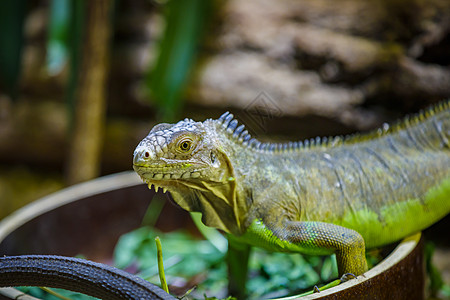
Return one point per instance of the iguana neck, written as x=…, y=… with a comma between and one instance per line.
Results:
x=215, y=201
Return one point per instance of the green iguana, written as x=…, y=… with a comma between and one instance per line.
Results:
x=323, y=196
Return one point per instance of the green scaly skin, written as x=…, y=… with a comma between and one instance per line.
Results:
x=339, y=195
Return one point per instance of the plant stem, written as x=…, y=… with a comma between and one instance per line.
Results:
x=162, y=277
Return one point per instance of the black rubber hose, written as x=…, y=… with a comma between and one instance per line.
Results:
x=78, y=275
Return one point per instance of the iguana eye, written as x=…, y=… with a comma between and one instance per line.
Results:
x=185, y=145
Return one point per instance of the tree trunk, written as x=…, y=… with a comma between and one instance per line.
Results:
x=90, y=93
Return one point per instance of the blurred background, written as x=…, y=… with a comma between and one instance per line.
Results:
x=82, y=82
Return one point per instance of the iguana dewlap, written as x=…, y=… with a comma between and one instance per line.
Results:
x=336, y=195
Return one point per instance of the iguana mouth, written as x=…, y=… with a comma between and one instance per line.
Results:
x=167, y=173
x=168, y=177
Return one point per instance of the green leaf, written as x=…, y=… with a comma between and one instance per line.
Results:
x=12, y=15
x=75, y=41
x=183, y=255
x=154, y=209
x=209, y=233
x=436, y=281
x=58, y=29
x=185, y=25
x=41, y=294
x=130, y=246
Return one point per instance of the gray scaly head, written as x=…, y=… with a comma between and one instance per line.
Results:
x=177, y=153
x=188, y=160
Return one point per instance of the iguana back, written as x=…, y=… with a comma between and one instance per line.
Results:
x=385, y=185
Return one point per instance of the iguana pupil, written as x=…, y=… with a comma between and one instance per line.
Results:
x=185, y=146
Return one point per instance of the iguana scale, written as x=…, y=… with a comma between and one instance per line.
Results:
x=323, y=196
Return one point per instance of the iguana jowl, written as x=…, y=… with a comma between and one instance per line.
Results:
x=338, y=195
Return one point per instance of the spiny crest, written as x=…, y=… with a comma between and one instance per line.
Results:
x=406, y=122
x=230, y=125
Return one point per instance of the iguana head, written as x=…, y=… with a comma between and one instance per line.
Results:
x=188, y=160
x=183, y=153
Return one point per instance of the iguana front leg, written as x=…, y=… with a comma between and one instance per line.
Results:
x=319, y=237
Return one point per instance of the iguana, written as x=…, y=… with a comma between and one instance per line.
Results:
x=333, y=195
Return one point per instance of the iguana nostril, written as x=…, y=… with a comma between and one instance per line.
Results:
x=142, y=155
